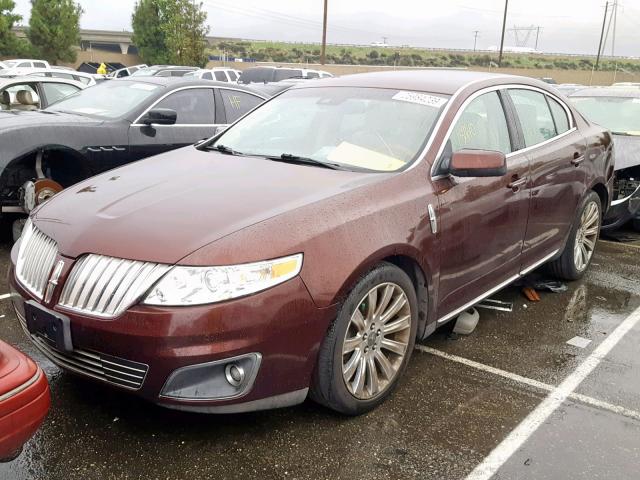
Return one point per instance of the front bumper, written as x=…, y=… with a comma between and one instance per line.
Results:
x=621, y=211
x=281, y=324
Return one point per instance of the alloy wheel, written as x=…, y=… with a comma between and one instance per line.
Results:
x=376, y=341
x=586, y=236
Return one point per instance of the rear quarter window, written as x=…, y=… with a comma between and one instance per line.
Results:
x=236, y=103
x=559, y=116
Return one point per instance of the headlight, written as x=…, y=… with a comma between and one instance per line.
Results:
x=200, y=285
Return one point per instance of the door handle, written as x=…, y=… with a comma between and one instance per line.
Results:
x=516, y=183
x=577, y=159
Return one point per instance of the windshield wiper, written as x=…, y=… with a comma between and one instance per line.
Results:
x=290, y=158
x=224, y=149
x=625, y=134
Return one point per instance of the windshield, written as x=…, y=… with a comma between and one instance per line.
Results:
x=111, y=99
x=618, y=114
x=365, y=128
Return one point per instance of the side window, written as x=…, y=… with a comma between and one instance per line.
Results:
x=207, y=76
x=232, y=75
x=57, y=91
x=22, y=97
x=39, y=65
x=84, y=80
x=534, y=115
x=482, y=126
x=195, y=106
x=559, y=116
x=123, y=73
x=25, y=65
x=313, y=75
x=220, y=76
x=236, y=103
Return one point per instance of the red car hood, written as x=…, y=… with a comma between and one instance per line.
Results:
x=166, y=207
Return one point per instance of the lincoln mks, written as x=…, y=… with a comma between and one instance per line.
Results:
x=302, y=251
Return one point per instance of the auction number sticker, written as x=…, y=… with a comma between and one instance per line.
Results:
x=420, y=98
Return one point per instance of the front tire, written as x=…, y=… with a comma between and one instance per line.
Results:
x=368, y=346
x=578, y=252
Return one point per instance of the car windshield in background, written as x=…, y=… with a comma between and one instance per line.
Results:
x=107, y=100
x=619, y=114
x=145, y=72
x=368, y=128
x=284, y=73
x=256, y=75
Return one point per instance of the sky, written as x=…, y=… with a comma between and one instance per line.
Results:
x=566, y=26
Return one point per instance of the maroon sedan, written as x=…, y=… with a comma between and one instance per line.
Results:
x=303, y=250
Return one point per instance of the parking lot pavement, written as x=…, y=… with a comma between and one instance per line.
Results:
x=460, y=400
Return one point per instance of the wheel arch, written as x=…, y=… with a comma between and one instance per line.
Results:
x=603, y=193
x=409, y=260
x=23, y=165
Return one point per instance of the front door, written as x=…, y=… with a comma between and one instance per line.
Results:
x=556, y=154
x=482, y=220
x=196, y=121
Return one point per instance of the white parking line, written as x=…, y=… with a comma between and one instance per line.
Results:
x=594, y=402
x=5, y=295
x=499, y=456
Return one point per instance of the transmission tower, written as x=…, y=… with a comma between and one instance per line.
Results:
x=522, y=35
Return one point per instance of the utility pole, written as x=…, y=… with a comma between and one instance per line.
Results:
x=604, y=22
x=504, y=24
x=475, y=39
x=615, y=21
x=323, y=54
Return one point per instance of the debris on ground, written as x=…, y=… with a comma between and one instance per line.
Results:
x=491, y=304
x=466, y=322
x=579, y=342
x=531, y=294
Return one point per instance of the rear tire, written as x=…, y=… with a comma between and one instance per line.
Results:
x=368, y=346
x=578, y=252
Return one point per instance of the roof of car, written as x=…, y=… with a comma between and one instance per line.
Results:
x=177, y=82
x=4, y=81
x=620, y=92
x=436, y=81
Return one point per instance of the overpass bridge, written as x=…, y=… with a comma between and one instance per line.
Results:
x=103, y=38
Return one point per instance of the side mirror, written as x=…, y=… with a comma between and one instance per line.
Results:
x=160, y=116
x=478, y=163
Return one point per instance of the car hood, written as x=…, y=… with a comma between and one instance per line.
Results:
x=627, y=150
x=166, y=207
x=11, y=119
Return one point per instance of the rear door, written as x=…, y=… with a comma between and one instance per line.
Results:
x=482, y=220
x=556, y=150
x=236, y=103
x=196, y=120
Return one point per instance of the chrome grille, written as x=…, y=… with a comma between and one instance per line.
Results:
x=107, y=286
x=119, y=371
x=36, y=257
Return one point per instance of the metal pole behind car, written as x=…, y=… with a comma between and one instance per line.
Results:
x=604, y=22
x=323, y=54
x=504, y=23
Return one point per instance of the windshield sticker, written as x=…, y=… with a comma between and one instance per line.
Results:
x=143, y=86
x=420, y=98
x=349, y=154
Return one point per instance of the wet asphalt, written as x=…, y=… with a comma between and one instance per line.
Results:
x=441, y=422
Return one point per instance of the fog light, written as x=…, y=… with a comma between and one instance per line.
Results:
x=234, y=374
x=218, y=380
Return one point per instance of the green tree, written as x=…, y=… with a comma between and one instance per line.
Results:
x=148, y=34
x=54, y=29
x=185, y=32
x=8, y=40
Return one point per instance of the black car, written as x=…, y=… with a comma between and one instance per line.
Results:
x=105, y=126
x=618, y=109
